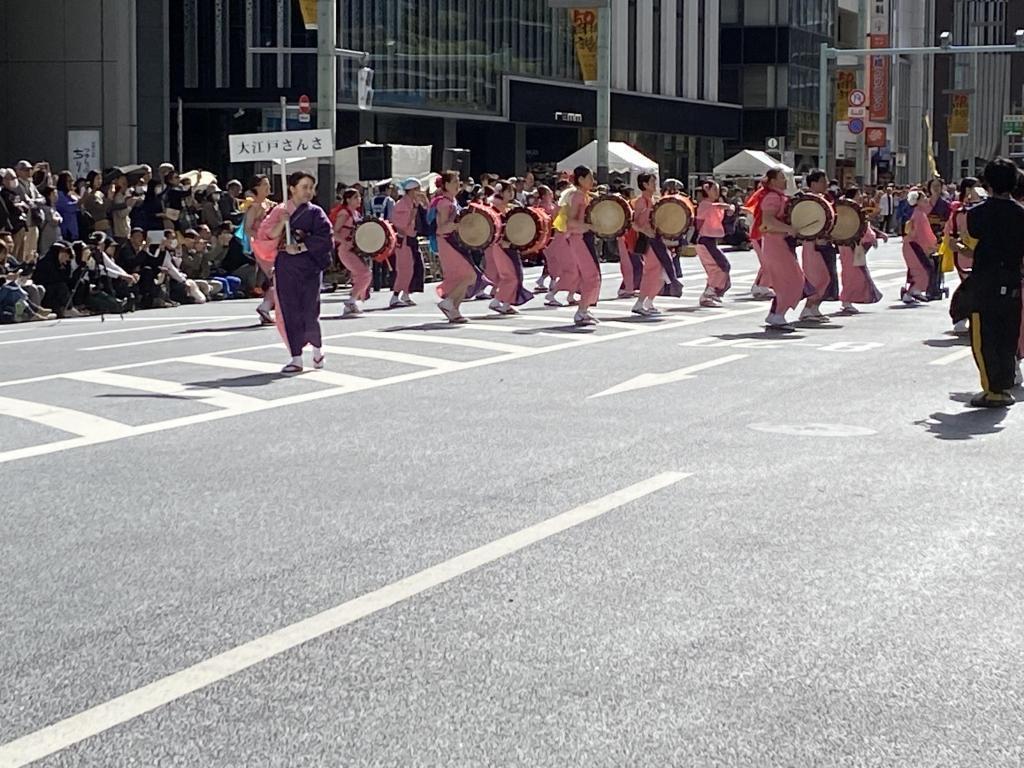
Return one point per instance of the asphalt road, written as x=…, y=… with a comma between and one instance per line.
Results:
x=673, y=542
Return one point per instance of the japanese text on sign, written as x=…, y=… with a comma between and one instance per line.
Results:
x=283, y=145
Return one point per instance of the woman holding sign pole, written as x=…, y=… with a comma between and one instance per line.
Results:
x=303, y=234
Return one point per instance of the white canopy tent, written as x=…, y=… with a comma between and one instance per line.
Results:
x=622, y=158
x=752, y=164
x=407, y=160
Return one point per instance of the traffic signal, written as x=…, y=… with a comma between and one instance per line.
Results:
x=366, y=88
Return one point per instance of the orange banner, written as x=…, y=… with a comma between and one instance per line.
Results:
x=878, y=98
x=308, y=8
x=584, y=34
x=960, y=115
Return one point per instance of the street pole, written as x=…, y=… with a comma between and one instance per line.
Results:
x=181, y=137
x=604, y=89
x=327, y=91
x=823, y=83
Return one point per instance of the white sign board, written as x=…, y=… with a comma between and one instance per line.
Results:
x=83, y=152
x=852, y=112
x=281, y=145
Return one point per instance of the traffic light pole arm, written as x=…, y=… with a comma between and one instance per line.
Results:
x=828, y=53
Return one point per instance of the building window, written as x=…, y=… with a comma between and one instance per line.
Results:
x=758, y=86
x=758, y=13
x=730, y=11
x=631, y=24
x=657, y=47
x=702, y=45
x=729, y=86
x=680, y=52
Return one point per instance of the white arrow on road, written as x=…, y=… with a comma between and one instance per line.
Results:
x=654, y=379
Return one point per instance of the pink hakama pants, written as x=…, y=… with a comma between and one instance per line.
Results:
x=582, y=271
x=783, y=272
x=362, y=277
x=918, y=274
x=858, y=287
x=504, y=279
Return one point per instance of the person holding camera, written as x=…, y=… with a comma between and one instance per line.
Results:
x=991, y=296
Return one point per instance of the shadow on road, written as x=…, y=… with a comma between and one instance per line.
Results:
x=965, y=425
x=249, y=327
x=250, y=380
x=949, y=341
x=765, y=335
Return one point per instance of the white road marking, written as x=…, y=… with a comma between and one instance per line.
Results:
x=392, y=357
x=953, y=357
x=38, y=339
x=646, y=380
x=330, y=378
x=452, y=341
x=218, y=398
x=211, y=334
x=571, y=342
x=65, y=419
x=102, y=717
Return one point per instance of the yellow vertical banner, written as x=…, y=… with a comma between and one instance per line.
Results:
x=308, y=8
x=933, y=169
x=846, y=82
x=960, y=115
x=584, y=34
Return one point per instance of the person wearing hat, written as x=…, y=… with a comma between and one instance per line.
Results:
x=409, y=218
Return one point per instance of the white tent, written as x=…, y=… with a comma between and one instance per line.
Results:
x=622, y=158
x=406, y=160
x=752, y=164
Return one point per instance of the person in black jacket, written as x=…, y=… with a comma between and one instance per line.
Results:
x=995, y=284
x=54, y=272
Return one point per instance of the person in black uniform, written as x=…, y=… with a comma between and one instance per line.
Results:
x=995, y=300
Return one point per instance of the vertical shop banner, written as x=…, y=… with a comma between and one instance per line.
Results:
x=960, y=115
x=83, y=152
x=584, y=34
x=878, y=99
x=846, y=82
x=308, y=8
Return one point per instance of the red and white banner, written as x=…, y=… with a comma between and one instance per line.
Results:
x=879, y=86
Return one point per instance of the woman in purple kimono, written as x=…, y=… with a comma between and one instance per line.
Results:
x=305, y=251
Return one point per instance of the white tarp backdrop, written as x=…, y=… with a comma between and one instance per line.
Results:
x=406, y=160
x=622, y=158
x=752, y=164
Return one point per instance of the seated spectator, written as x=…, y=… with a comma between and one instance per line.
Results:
x=131, y=256
x=67, y=206
x=16, y=305
x=230, y=260
x=209, y=207
x=195, y=264
x=231, y=203
x=54, y=273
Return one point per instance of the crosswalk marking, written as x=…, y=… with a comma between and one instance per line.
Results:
x=217, y=398
x=144, y=342
x=420, y=361
x=258, y=366
x=953, y=357
x=422, y=338
x=65, y=419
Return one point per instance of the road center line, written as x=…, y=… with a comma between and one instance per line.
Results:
x=143, y=342
x=102, y=717
x=160, y=327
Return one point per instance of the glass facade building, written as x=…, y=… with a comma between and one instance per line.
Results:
x=503, y=78
x=769, y=64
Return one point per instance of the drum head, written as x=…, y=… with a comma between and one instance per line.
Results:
x=607, y=217
x=849, y=226
x=671, y=218
x=808, y=217
x=475, y=229
x=370, y=237
x=520, y=228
